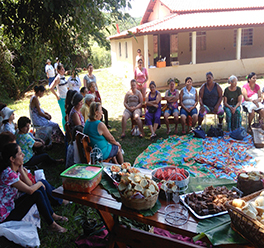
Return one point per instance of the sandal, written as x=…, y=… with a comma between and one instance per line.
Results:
x=60, y=218
x=153, y=136
x=123, y=136
x=168, y=131
x=183, y=132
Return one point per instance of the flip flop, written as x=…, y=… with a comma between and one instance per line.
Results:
x=123, y=136
x=183, y=132
x=168, y=131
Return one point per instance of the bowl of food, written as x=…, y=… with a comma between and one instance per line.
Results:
x=138, y=191
x=180, y=176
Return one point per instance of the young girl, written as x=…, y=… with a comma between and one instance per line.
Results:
x=8, y=118
x=10, y=184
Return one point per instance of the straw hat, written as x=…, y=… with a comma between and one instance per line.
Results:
x=6, y=113
x=48, y=61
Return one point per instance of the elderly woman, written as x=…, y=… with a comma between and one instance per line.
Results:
x=210, y=98
x=133, y=103
x=100, y=135
x=172, y=97
x=85, y=109
x=188, y=102
x=141, y=77
x=152, y=116
x=10, y=183
x=75, y=117
x=90, y=77
x=97, y=98
x=232, y=102
x=252, y=99
x=62, y=87
x=41, y=118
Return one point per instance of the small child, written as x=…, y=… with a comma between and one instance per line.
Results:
x=8, y=118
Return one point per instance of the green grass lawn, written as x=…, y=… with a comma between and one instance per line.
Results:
x=112, y=90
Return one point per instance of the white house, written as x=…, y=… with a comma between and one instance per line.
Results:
x=196, y=36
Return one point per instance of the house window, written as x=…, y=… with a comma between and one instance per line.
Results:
x=126, y=50
x=246, y=37
x=120, y=49
x=200, y=41
x=174, y=47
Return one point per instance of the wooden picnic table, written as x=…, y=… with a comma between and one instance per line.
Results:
x=109, y=209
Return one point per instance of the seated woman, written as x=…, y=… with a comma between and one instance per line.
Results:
x=97, y=98
x=10, y=184
x=232, y=102
x=100, y=135
x=75, y=116
x=252, y=99
x=43, y=119
x=133, y=103
x=188, y=102
x=210, y=98
x=152, y=116
x=172, y=97
x=27, y=143
x=85, y=109
x=8, y=120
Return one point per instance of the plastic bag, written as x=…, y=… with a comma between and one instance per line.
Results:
x=239, y=133
x=20, y=232
x=199, y=132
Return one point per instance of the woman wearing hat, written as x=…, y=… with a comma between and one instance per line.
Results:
x=50, y=72
x=85, y=109
x=62, y=88
x=8, y=117
x=75, y=117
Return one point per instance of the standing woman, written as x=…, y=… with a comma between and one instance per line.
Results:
x=141, y=77
x=74, y=82
x=10, y=183
x=188, y=102
x=152, y=117
x=90, y=77
x=62, y=88
x=232, y=102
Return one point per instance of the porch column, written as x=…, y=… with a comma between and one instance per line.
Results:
x=194, y=47
x=238, y=43
x=146, y=51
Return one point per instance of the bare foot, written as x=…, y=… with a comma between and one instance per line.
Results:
x=59, y=218
x=168, y=131
x=65, y=202
x=175, y=130
x=54, y=227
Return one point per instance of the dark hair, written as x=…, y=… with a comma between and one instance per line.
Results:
x=77, y=97
x=93, y=108
x=90, y=64
x=186, y=79
x=139, y=50
x=83, y=89
x=250, y=75
x=9, y=150
x=133, y=81
x=68, y=104
x=90, y=84
x=140, y=60
x=40, y=88
x=209, y=73
x=5, y=138
x=2, y=105
x=152, y=83
x=23, y=121
x=59, y=66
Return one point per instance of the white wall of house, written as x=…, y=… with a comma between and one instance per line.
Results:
x=220, y=70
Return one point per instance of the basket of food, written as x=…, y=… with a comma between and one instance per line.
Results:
x=181, y=177
x=247, y=217
x=138, y=191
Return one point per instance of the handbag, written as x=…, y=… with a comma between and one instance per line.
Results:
x=199, y=132
x=152, y=109
x=239, y=133
x=215, y=132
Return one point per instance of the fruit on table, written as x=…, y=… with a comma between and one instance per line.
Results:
x=165, y=174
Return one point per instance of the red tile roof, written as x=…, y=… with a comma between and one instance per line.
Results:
x=198, y=21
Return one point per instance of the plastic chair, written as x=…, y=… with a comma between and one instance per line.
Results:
x=245, y=111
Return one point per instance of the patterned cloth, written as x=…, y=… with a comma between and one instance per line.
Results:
x=26, y=142
x=212, y=157
x=7, y=192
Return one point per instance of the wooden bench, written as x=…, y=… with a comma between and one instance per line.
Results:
x=162, y=120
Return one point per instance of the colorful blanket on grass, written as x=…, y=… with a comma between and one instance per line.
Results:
x=212, y=157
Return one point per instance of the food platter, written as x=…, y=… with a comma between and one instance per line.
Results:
x=182, y=198
x=108, y=172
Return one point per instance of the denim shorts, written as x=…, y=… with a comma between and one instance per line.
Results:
x=114, y=151
x=171, y=111
x=184, y=112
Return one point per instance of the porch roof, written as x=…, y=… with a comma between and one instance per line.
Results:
x=197, y=21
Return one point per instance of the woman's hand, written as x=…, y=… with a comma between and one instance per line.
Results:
x=233, y=110
x=118, y=144
x=256, y=102
x=41, y=184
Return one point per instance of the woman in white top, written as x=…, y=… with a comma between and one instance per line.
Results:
x=62, y=88
x=74, y=82
x=90, y=77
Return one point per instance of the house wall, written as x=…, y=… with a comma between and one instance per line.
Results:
x=159, y=11
x=220, y=46
x=220, y=70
